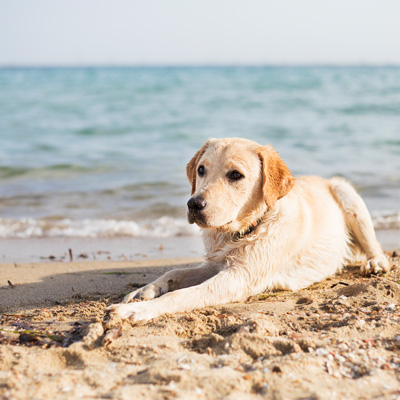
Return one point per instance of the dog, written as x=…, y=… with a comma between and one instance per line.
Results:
x=262, y=230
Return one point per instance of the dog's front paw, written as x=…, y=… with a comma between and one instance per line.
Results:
x=375, y=265
x=133, y=312
x=147, y=292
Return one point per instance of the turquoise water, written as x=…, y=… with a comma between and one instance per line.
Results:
x=102, y=151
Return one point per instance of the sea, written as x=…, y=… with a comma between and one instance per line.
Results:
x=101, y=152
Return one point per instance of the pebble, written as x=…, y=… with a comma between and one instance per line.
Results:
x=360, y=323
x=340, y=358
x=171, y=385
x=182, y=358
x=264, y=388
x=321, y=352
x=93, y=332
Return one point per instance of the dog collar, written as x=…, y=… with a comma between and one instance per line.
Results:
x=252, y=227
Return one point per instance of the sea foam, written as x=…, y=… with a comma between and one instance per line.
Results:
x=92, y=228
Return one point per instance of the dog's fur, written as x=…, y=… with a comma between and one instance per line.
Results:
x=262, y=229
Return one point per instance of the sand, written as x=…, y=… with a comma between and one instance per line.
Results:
x=338, y=339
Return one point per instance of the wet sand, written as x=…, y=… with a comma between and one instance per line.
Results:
x=337, y=339
x=100, y=249
x=123, y=248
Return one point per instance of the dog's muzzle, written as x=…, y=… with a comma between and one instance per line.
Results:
x=195, y=206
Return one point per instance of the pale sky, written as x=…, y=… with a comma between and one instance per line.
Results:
x=173, y=32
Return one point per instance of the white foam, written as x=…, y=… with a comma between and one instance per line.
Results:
x=387, y=221
x=92, y=228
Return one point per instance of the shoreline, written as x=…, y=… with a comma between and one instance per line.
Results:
x=53, y=249
x=98, y=249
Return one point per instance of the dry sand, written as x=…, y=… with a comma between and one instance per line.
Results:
x=338, y=339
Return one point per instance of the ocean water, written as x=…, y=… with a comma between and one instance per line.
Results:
x=101, y=152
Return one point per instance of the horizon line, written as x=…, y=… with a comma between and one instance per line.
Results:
x=199, y=65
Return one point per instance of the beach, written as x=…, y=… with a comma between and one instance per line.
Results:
x=93, y=194
x=336, y=339
x=124, y=248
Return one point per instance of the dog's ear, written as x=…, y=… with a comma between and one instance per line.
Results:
x=277, y=179
x=191, y=167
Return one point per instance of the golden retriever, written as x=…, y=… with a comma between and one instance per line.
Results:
x=262, y=229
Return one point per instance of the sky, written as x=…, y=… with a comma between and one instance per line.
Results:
x=199, y=32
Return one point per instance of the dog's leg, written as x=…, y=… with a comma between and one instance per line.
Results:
x=173, y=280
x=230, y=285
x=359, y=221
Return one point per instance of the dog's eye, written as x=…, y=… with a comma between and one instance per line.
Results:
x=201, y=170
x=235, y=175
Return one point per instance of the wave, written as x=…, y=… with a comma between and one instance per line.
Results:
x=95, y=228
x=92, y=228
x=364, y=109
x=7, y=172
x=388, y=221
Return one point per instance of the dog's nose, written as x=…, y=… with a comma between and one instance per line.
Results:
x=196, y=204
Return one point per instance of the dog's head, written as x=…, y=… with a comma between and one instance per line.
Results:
x=233, y=182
